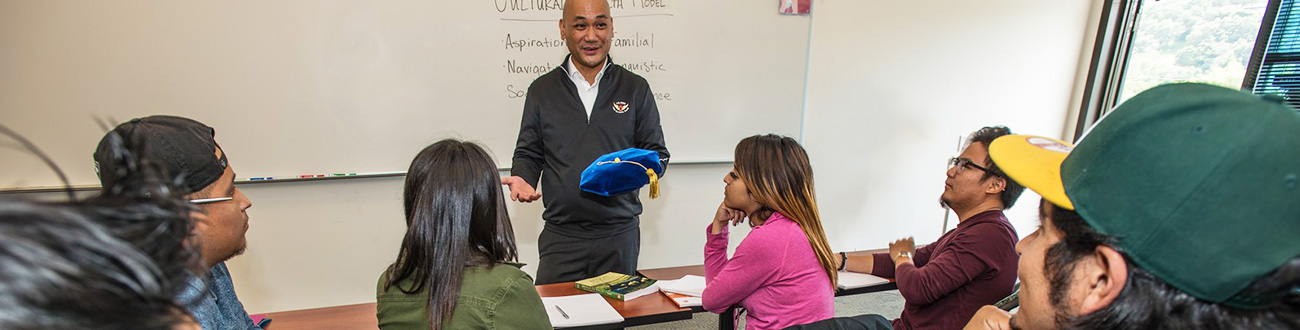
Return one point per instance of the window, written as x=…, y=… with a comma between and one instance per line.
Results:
x=1144, y=43
x=1207, y=41
x=1275, y=63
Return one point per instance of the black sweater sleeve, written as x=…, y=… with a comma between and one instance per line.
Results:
x=529, y=156
x=649, y=133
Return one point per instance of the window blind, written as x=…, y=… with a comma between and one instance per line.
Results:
x=1275, y=62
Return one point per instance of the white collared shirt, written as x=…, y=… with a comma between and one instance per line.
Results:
x=586, y=92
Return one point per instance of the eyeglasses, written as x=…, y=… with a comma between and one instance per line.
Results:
x=210, y=200
x=962, y=163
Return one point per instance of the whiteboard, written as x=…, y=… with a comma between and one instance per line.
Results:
x=318, y=87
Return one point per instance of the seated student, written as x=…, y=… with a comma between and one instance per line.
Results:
x=783, y=272
x=187, y=150
x=944, y=283
x=61, y=269
x=143, y=206
x=455, y=268
x=1179, y=210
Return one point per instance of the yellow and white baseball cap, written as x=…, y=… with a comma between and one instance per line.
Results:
x=1034, y=162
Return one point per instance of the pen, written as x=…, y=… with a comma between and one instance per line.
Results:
x=562, y=313
x=210, y=200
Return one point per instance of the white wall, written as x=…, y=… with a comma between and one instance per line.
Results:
x=893, y=85
x=877, y=136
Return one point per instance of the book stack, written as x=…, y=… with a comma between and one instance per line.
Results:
x=619, y=286
x=686, y=291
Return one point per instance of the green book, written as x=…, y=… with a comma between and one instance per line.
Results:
x=619, y=286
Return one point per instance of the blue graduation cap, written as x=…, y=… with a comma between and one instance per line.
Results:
x=623, y=171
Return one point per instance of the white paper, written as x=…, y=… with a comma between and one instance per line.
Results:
x=690, y=285
x=851, y=280
x=582, y=310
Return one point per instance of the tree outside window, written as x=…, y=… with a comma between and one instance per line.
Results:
x=1208, y=41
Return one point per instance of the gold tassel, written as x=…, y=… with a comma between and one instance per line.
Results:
x=654, y=178
x=654, y=183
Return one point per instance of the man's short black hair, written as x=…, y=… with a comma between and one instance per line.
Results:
x=1149, y=303
x=986, y=136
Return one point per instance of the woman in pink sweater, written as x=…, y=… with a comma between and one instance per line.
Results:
x=783, y=272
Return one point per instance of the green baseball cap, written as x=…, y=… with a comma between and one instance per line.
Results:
x=1197, y=182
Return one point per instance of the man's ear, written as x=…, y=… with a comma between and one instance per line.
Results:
x=1104, y=274
x=562, y=36
x=996, y=186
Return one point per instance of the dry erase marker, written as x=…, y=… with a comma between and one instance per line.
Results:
x=265, y=178
x=345, y=174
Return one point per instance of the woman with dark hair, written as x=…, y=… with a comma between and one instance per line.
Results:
x=455, y=268
x=62, y=270
x=114, y=261
x=783, y=272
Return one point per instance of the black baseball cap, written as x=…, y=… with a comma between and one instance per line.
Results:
x=185, y=149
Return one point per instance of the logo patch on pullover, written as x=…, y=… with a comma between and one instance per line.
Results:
x=621, y=107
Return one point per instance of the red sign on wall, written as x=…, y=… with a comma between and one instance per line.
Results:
x=794, y=7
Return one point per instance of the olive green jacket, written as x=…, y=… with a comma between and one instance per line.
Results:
x=501, y=297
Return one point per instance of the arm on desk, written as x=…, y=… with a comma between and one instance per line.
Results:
x=860, y=263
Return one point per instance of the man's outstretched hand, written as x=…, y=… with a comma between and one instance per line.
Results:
x=520, y=190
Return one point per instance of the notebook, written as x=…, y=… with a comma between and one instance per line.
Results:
x=690, y=285
x=685, y=301
x=851, y=280
x=580, y=310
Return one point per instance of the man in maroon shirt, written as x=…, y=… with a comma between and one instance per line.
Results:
x=944, y=283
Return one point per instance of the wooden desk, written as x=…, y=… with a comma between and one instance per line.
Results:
x=348, y=317
x=655, y=308
x=726, y=319
x=673, y=273
x=649, y=309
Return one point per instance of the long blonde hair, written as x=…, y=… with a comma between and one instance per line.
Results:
x=777, y=173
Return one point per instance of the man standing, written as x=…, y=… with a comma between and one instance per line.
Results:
x=187, y=150
x=1179, y=210
x=944, y=283
x=582, y=109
